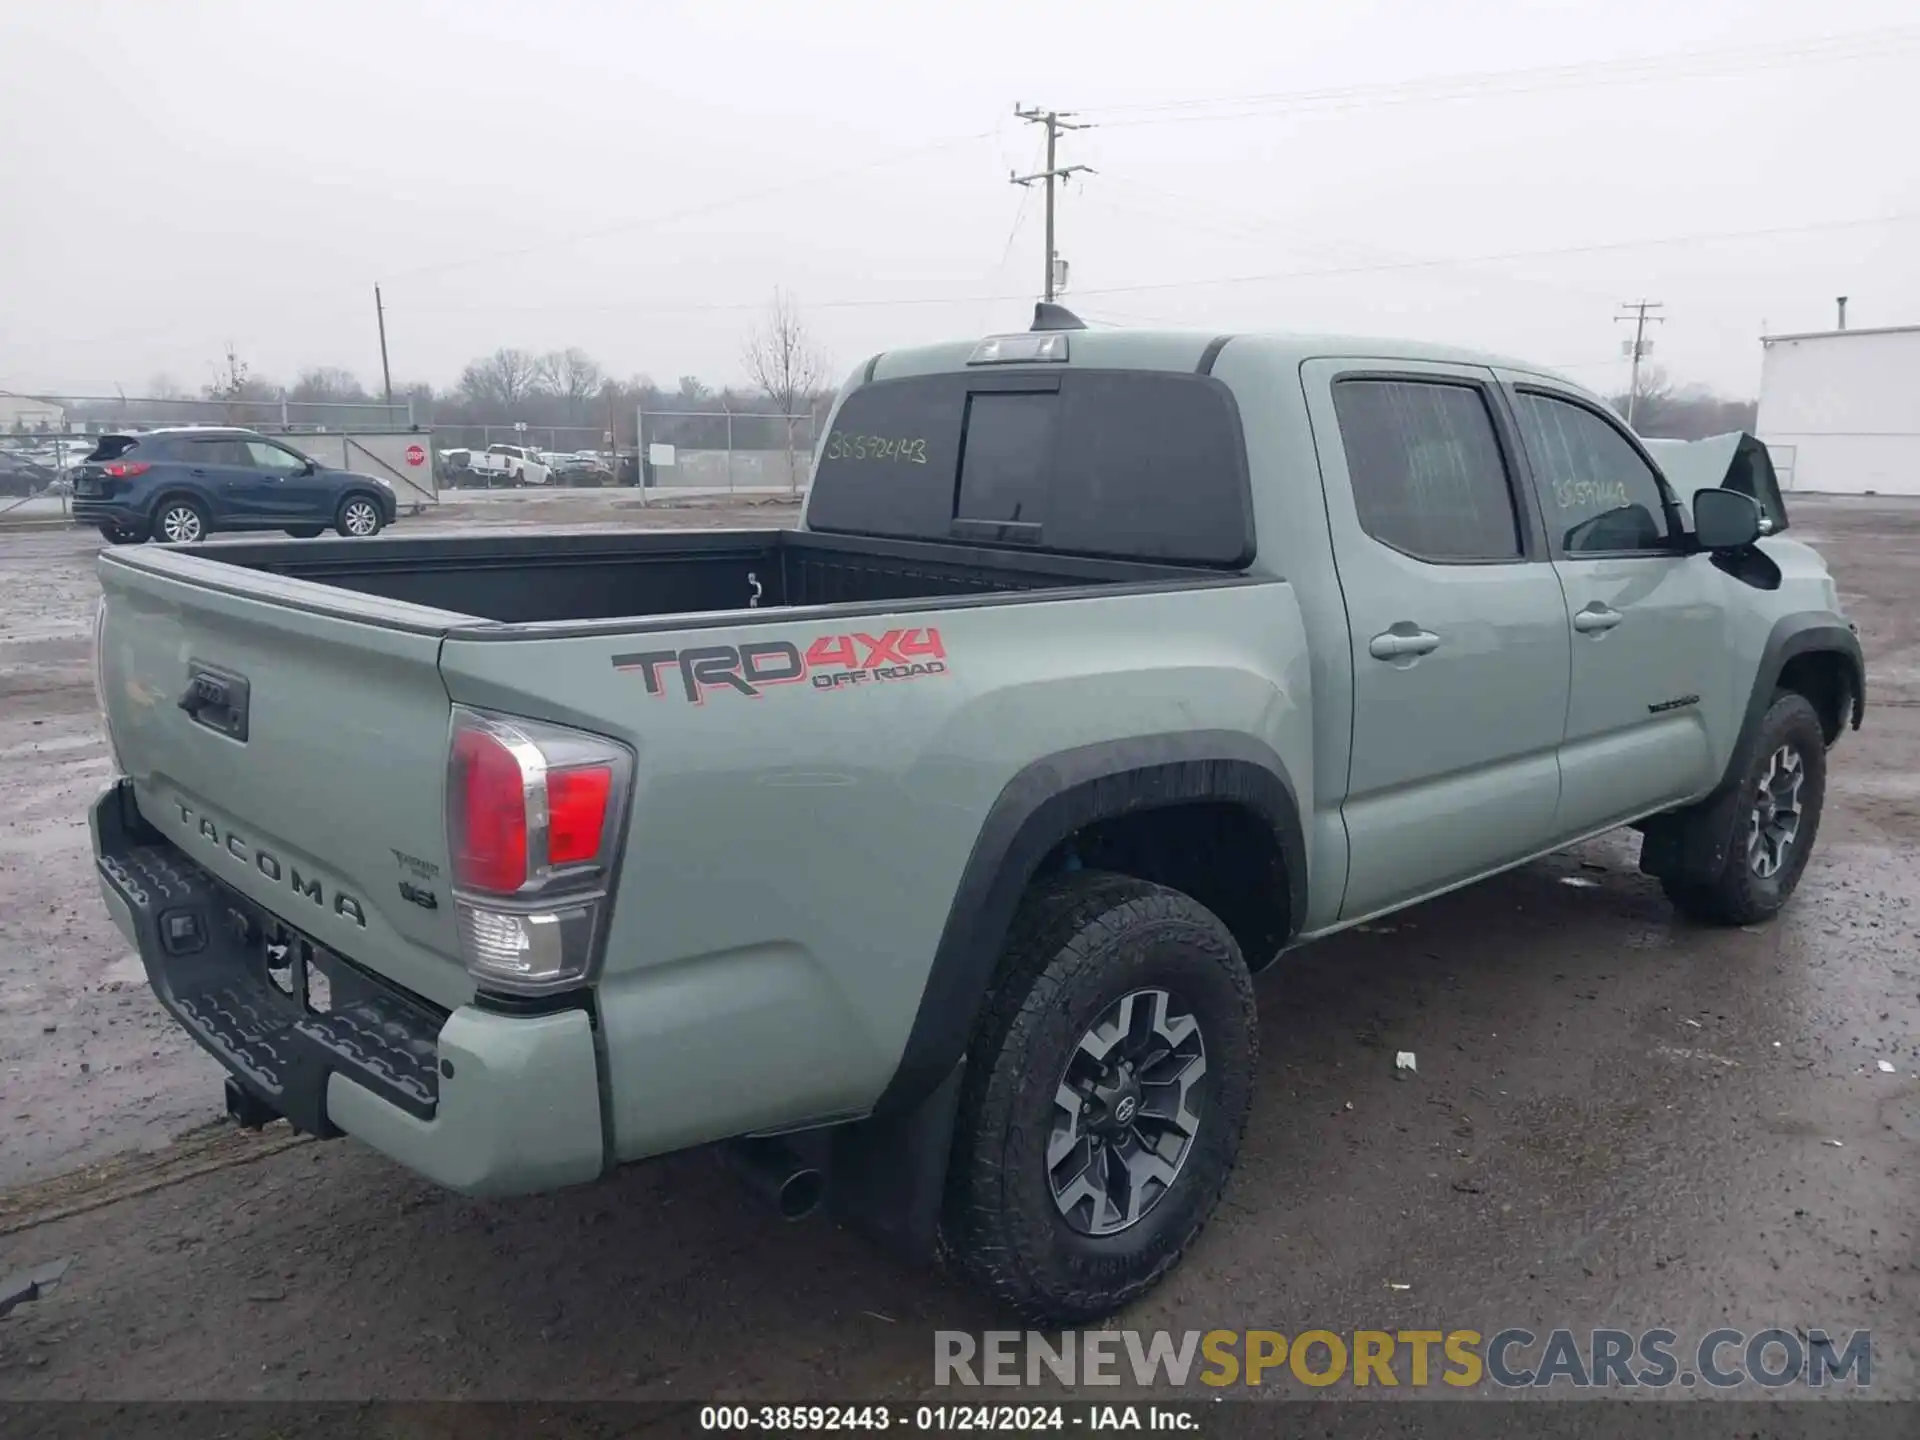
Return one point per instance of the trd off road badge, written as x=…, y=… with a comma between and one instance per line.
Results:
x=832, y=662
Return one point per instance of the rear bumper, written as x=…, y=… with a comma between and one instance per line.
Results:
x=483, y=1103
x=94, y=511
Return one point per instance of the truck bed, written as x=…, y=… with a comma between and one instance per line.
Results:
x=546, y=578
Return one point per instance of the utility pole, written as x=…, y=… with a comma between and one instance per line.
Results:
x=1636, y=311
x=1055, y=121
x=386, y=375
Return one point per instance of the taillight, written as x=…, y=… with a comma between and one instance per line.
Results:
x=533, y=820
x=490, y=795
x=577, y=813
x=127, y=469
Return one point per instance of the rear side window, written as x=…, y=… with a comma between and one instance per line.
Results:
x=1147, y=465
x=216, y=450
x=1427, y=473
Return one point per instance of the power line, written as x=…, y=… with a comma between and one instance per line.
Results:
x=1055, y=121
x=1595, y=249
x=704, y=208
x=1864, y=45
x=1703, y=237
x=1260, y=228
x=1013, y=232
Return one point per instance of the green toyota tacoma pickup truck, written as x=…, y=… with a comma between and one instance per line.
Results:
x=920, y=858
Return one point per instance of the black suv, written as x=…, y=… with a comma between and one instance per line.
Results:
x=178, y=486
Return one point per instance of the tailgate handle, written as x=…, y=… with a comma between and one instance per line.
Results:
x=218, y=701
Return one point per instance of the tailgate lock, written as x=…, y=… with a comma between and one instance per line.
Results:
x=216, y=699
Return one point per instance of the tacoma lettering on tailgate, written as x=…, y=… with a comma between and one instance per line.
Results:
x=269, y=865
x=831, y=662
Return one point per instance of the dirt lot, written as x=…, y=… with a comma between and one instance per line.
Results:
x=1617, y=1120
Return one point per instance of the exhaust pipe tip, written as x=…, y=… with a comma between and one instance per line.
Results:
x=802, y=1193
x=796, y=1186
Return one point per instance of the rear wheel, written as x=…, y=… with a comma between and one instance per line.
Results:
x=1778, y=818
x=359, y=517
x=179, y=521
x=120, y=535
x=304, y=532
x=1106, y=1092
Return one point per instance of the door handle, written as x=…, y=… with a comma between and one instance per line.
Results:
x=1400, y=644
x=1596, y=619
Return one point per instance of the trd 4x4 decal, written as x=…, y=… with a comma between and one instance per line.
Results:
x=832, y=662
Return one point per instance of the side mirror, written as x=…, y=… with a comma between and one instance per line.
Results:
x=1726, y=519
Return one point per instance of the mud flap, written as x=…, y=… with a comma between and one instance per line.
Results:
x=1692, y=846
x=888, y=1174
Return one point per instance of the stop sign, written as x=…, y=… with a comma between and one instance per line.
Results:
x=416, y=455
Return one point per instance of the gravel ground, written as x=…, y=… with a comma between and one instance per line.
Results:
x=1617, y=1120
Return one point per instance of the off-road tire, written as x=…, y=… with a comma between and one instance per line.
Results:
x=1739, y=895
x=1078, y=944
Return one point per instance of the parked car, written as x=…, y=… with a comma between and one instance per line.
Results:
x=515, y=464
x=21, y=476
x=922, y=855
x=456, y=470
x=181, y=485
x=582, y=470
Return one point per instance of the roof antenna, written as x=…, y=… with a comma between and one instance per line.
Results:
x=1048, y=316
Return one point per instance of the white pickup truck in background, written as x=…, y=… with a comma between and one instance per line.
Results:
x=517, y=464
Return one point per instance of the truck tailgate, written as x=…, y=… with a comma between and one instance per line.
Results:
x=295, y=751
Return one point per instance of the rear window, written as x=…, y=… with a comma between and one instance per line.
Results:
x=112, y=447
x=1134, y=464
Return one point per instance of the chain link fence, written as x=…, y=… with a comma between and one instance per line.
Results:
x=726, y=450
x=98, y=414
x=34, y=463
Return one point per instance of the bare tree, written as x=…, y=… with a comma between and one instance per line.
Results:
x=250, y=401
x=785, y=363
x=503, y=379
x=326, y=384
x=574, y=376
x=1683, y=412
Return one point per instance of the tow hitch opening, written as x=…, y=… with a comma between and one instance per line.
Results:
x=246, y=1109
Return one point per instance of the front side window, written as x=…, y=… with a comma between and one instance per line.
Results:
x=1600, y=497
x=1427, y=473
x=268, y=456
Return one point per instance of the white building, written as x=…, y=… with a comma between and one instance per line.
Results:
x=1840, y=410
x=25, y=412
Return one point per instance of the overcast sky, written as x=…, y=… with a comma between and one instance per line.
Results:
x=635, y=178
